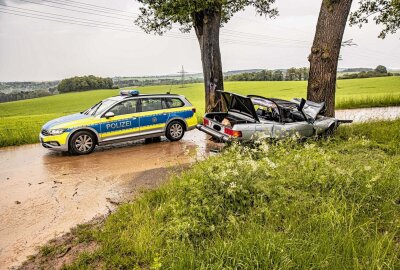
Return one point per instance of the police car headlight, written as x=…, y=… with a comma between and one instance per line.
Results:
x=58, y=131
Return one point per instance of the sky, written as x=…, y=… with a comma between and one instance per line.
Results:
x=38, y=48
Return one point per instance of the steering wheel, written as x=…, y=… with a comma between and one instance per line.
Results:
x=275, y=114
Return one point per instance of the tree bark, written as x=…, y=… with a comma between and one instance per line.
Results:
x=207, y=26
x=325, y=52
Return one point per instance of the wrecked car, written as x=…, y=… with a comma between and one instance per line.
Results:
x=249, y=116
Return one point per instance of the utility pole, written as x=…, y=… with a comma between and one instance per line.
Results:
x=182, y=72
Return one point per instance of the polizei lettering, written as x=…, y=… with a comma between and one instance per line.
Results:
x=118, y=125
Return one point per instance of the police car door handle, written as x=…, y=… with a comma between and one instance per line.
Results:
x=164, y=113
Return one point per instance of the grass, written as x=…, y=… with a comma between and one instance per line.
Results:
x=331, y=204
x=20, y=121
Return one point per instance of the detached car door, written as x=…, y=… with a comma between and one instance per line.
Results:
x=124, y=123
x=153, y=116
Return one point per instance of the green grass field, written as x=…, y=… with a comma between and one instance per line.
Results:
x=324, y=204
x=20, y=121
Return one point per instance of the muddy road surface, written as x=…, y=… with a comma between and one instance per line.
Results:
x=43, y=193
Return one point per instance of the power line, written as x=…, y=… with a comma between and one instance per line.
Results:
x=88, y=24
x=113, y=26
x=87, y=8
x=102, y=7
x=234, y=37
x=231, y=33
x=80, y=11
x=60, y=15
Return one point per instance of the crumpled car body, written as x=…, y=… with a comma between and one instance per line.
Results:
x=250, y=117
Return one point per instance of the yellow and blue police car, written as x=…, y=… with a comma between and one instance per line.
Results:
x=129, y=116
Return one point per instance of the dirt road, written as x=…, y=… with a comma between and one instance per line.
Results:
x=43, y=194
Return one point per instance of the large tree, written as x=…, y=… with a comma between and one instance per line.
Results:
x=328, y=41
x=325, y=52
x=206, y=18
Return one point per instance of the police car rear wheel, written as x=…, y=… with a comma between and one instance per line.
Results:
x=175, y=131
x=82, y=143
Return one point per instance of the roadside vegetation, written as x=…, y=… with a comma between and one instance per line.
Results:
x=20, y=121
x=319, y=204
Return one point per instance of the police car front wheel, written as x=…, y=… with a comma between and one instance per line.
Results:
x=82, y=143
x=175, y=131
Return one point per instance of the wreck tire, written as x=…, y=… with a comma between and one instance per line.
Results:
x=175, y=131
x=330, y=131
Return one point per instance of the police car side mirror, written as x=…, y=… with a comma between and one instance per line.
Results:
x=109, y=115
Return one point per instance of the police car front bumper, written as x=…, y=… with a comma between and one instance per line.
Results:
x=51, y=143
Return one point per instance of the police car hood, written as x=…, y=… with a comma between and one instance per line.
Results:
x=68, y=121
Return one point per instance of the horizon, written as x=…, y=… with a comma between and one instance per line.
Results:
x=187, y=74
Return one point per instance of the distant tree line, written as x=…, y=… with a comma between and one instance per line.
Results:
x=21, y=95
x=292, y=74
x=146, y=82
x=379, y=71
x=84, y=83
x=357, y=69
x=8, y=87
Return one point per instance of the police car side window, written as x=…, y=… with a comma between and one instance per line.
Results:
x=125, y=107
x=174, y=103
x=151, y=104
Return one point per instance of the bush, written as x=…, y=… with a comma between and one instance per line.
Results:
x=84, y=83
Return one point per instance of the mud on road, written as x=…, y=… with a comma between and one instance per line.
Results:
x=43, y=194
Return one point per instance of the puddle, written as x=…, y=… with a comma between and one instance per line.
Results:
x=44, y=193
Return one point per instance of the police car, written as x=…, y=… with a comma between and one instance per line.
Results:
x=129, y=116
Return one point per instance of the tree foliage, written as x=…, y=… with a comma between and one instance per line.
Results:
x=383, y=12
x=381, y=69
x=84, y=83
x=158, y=16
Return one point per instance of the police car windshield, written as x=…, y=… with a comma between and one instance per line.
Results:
x=100, y=107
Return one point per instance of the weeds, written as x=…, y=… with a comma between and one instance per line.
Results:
x=318, y=204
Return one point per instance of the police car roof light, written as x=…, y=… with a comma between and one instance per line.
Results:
x=129, y=93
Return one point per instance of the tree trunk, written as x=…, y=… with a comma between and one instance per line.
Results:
x=325, y=52
x=207, y=26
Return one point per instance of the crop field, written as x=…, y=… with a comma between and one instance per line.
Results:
x=20, y=121
x=319, y=204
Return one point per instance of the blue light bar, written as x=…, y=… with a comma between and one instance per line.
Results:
x=129, y=93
